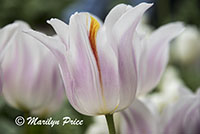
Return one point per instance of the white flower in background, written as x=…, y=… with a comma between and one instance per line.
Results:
x=169, y=90
x=31, y=77
x=186, y=47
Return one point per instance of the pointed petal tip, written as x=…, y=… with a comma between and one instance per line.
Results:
x=170, y=30
x=50, y=21
x=144, y=5
x=74, y=14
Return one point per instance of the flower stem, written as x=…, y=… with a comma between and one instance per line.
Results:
x=110, y=123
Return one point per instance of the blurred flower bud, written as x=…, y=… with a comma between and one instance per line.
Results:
x=5, y=34
x=31, y=77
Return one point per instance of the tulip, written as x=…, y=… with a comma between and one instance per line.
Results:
x=104, y=65
x=106, y=62
x=182, y=117
x=31, y=76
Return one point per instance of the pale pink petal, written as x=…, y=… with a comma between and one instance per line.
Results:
x=123, y=32
x=109, y=71
x=61, y=29
x=129, y=20
x=1, y=84
x=154, y=55
x=114, y=15
x=86, y=92
x=6, y=34
x=183, y=117
x=53, y=44
x=55, y=103
x=138, y=119
x=62, y=55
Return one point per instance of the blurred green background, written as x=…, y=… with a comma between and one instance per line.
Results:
x=36, y=12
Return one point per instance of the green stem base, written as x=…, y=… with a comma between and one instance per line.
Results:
x=110, y=123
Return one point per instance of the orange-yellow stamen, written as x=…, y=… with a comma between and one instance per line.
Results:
x=94, y=27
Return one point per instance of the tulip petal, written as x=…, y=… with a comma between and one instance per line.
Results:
x=191, y=121
x=83, y=60
x=138, y=119
x=61, y=29
x=129, y=20
x=114, y=15
x=154, y=56
x=109, y=71
x=62, y=55
x=54, y=45
x=56, y=83
x=123, y=31
x=121, y=18
x=6, y=34
x=1, y=84
x=183, y=117
x=172, y=118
